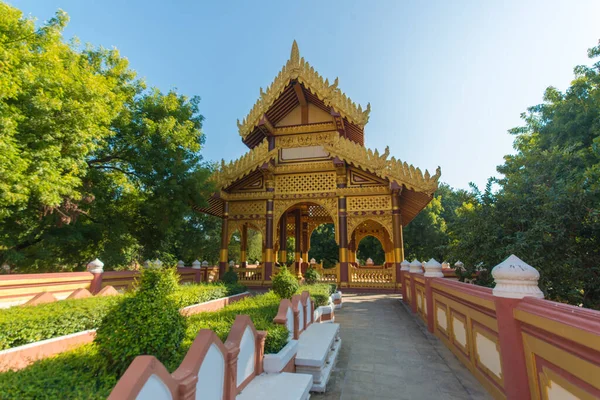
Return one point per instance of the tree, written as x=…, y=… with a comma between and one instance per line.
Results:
x=323, y=245
x=370, y=247
x=93, y=164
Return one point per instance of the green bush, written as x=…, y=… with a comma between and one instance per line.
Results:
x=261, y=309
x=285, y=284
x=319, y=292
x=230, y=277
x=311, y=276
x=199, y=293
x=77, y=374
x=147, y=322
x=22, y=325
x=158, y=281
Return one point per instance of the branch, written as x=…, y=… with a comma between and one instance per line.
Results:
x=116, y=169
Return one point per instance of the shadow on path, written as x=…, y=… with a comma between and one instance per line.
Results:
x=388, y=354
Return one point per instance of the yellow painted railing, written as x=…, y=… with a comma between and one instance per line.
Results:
x=372, y=277
x=328, y=275
x=250, y=275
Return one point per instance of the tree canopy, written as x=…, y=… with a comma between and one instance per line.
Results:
x=93, y=164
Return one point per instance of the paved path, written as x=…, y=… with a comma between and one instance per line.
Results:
x=387, y=354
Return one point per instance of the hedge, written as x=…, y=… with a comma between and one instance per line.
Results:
x=319, y=292
x=262, y=309
x=83, y=372
x=22, y=325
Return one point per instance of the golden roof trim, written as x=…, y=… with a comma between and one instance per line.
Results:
x=380, y=165
x=298, y=68
x=249, y=162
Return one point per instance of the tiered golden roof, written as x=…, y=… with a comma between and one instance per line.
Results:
x=346, y=150
x=299, y=69
x=379, y=164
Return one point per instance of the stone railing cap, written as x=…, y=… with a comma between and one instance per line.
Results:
x=404, y=263
x=513, y=268
x=416, y=263
x=433, y=263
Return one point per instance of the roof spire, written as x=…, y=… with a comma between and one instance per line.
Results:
x=295, y=55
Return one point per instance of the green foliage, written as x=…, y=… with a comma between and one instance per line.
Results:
x=199, y=293
x=22, y=325
x=77, y=374
x=285, y=284
x=261, y=309
x=230, y=277
x=319, y=292
x=323, y=245
x=370, y=247
x=311, y=276
x=159, y=282
x=94, y=164
x=148, y=322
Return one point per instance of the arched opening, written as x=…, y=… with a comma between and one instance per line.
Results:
x=370, y=247
x=293, y=234
x=370, y=239
x=323, y=247
x=246, y=246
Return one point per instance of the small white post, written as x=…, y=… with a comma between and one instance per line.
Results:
x=180, y=264
x=404, y=266
x=196, y=264
x=204, y=263
x=433, y=269
x=415, y=267
x=95, y=267
x=516, y=279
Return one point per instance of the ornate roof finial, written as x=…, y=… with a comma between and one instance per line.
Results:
x=295, y=55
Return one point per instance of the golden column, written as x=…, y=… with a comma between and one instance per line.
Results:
x=224, y=240
x=244, y=245
x=397, y=227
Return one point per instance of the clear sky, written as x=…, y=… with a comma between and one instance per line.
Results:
x=445, y=79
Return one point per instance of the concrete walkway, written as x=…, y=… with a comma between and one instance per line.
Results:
x=387, y=354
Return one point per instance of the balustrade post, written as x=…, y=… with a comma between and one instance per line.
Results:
x=404, y=269
x=96, y=268
x=415, y=269
x=343, y=238
x=398, y=249
x=514, y=279
x=433, y=269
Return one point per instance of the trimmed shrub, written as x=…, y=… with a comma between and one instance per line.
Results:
x=319, y=292
x=80, y=373
x=230, y=277
x=199, y=293
x=23, y=325
x=285, y=284
x=311, y=276
x=147, y=322
x=261, y=309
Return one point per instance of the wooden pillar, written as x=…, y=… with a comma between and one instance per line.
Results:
x=298, y=238
x=398, y=241
x=224, y=240
x=244, y=246
x=305, y=238
x=343, y=236
x=268, y=258
x=283, y=238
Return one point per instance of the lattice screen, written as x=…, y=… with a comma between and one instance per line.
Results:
x=305, y=183
x=369, y=203
x=247, y=208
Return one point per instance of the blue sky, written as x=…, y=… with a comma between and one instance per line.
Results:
x=445, y=80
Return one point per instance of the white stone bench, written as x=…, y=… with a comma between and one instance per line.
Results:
x=318, y=348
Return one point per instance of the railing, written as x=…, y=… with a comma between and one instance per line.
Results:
x=250, y=275
x=380, y=278
x=328, y=275
x=516, y=345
